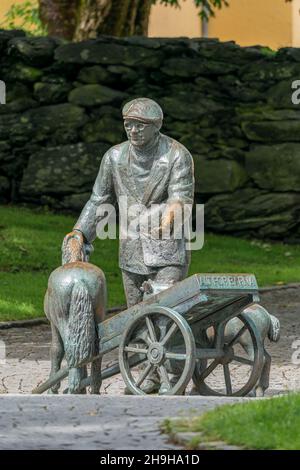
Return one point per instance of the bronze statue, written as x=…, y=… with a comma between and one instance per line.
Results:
x=75, y=303
x=181, y=329
x=149, y=168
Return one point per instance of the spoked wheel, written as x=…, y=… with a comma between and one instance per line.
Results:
x=237, y=369
x=165, y=339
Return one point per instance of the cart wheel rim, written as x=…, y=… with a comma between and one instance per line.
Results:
x=202, y=370
x=157, y=351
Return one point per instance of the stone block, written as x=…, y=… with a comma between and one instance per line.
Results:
x=62, y=171
x=96, y=95
x=275, y=167
x=217, y=176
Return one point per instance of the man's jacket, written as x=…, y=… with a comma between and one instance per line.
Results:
x=171, y=179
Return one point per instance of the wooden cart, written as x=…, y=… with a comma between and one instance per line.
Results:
x=181, y=335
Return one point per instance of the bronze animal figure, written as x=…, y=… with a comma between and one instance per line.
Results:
x=75, y=302
x=269, y=327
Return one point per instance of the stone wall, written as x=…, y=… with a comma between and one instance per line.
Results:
x=230, y=106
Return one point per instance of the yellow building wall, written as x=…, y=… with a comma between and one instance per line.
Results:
x=296, y=23
x=250, y=22
x=273, y=23
x=166, y=21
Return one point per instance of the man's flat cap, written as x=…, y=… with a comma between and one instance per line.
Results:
x=143, y=109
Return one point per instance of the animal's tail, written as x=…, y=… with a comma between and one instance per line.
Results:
x=274, y=329
x=81, y=338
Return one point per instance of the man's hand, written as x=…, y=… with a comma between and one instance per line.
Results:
x=166, y=227
x=72, y=247
x=75, y=234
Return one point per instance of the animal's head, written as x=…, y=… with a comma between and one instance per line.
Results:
x=150, y=287
x=73, y=250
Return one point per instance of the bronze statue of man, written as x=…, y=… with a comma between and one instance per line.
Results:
x=149, y=168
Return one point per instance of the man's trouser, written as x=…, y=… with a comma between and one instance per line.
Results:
x=133, y=282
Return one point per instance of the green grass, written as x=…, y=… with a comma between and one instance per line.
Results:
x=263, y=424
x=30, y=249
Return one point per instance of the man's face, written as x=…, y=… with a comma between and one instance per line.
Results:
x=139, y=133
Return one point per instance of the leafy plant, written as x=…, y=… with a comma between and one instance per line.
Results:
x=206, y=7
x=26, y=17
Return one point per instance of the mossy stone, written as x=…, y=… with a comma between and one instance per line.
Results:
x=105, y=129
x=218, y=176
x=275, y=167
x=95, y=95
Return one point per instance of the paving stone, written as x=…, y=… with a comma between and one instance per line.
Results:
x=93, y=422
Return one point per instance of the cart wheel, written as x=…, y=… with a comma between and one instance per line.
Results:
x=238, y=370
x=165, y=339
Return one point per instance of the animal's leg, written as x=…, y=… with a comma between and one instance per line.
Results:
x=75, y=377
x=247, y=345
x=96, y=378
x=56, y=356
x=83, y=375
x=264, y=379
